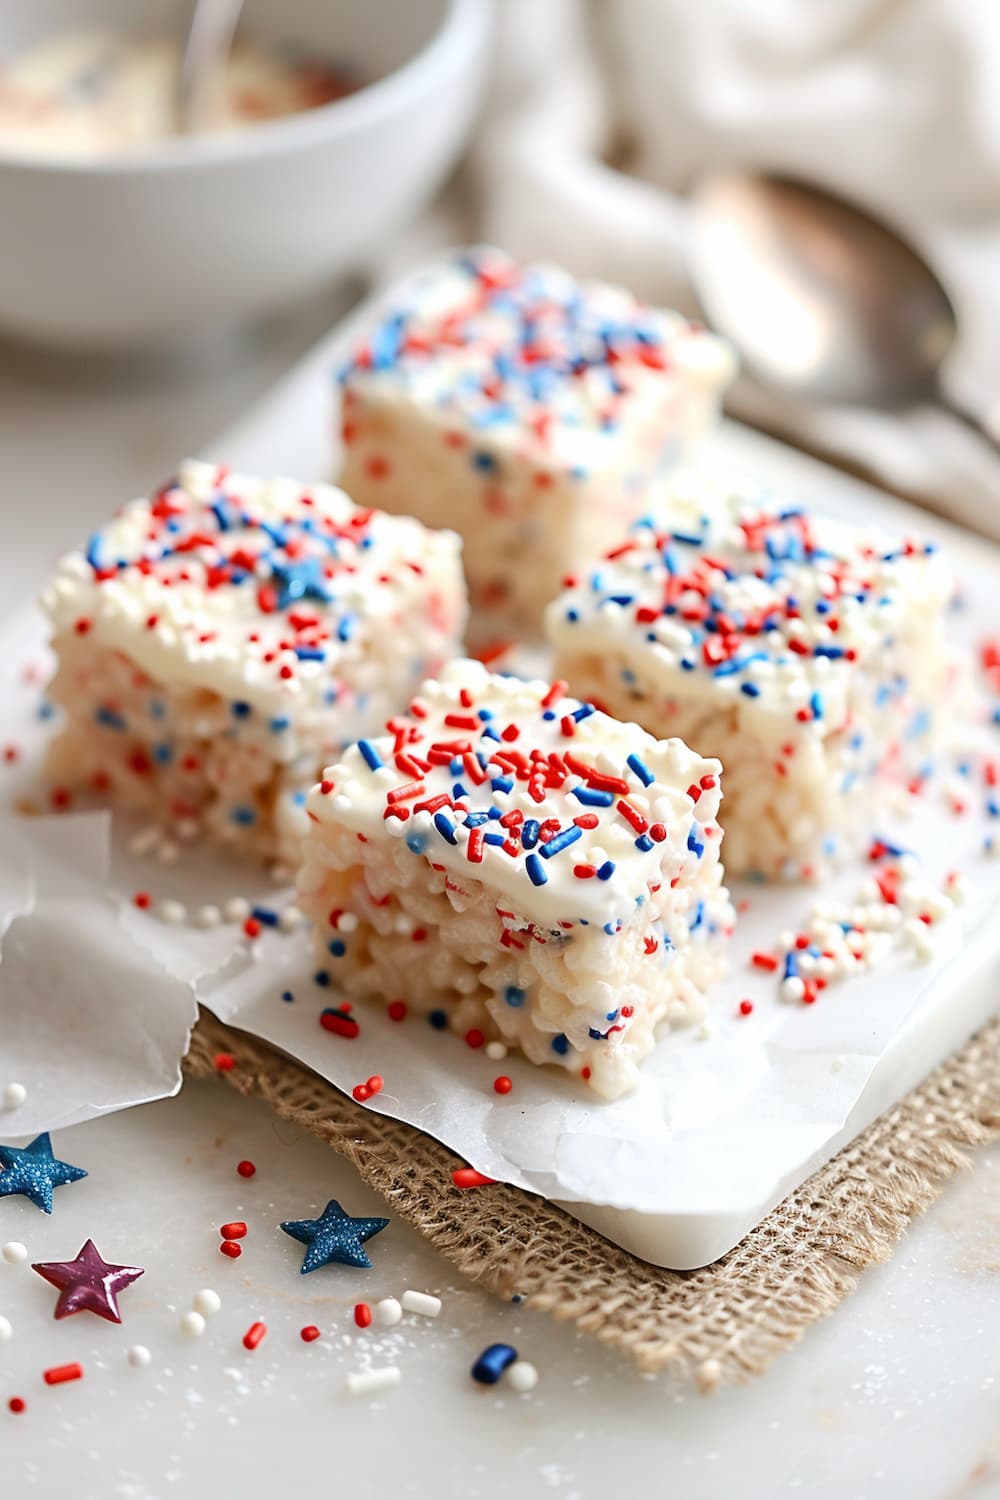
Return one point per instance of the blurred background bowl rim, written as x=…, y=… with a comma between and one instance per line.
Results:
x=459, y=36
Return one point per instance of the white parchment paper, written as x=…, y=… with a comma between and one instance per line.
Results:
x=97, y=997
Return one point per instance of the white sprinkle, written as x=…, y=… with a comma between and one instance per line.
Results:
x=144, y=842
x=364, y=1382
x=14, y=1095
x=348, y=922
x=289, y=918
x=708, y=1375
x=422, y=1303
x=387, y=1313
x=138, y=1356
x=208, y=916
x=6, y=1331
x=521, y=1376
x=792, y=988
x=168, y=852
x=14, y=1253
x=207, y=1302
x=236, y=909
x=496, y=1051
x=172, y=912
x=193, y=1324
x=187, y=829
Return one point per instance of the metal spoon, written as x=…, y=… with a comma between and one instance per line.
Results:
x=820, y=299
x=209, y=43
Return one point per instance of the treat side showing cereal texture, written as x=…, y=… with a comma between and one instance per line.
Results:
x=526, y=409
x=518, y=866
x=809, y=656
x=217, y=643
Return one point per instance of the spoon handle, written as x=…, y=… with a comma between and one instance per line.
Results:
x=983, y=424
x=209, y=42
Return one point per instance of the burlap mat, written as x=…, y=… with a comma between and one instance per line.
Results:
x=721, y=1323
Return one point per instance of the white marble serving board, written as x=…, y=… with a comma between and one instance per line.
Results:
x=935, y=1007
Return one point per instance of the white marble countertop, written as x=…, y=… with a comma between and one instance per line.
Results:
x=898, y=1395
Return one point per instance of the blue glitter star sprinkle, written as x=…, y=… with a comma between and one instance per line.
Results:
x=334, y=1237
x=34, y=1172
x=301, y=580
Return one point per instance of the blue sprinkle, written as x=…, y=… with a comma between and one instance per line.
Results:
x=833, y=652
x=310, y=653
x=529, y=833
x=163, y=754
x=750, y=689
x=322, y=978
x=94, y=550
x=370, y=755
x=497, y=839
x=445, y=827
x=583, y=712
x=485, y=462
x=590, y=797
x=502, y=784
x=337, y=947
x=279, y=724
x=45, y=710
x=816, y=704
x=561, y=841
x=607, y=870
x=693, y=843
x=560, y=1044
x=265, y=915
x=346, y=628
x=244, y=816
x=240, y=710
x=644, y=843
x=416, y=843
x=158, y=709
x=536, y=870
x=109, y=718
x=458, y=791
x=513, y=996
x=639, y=769
x=287, y=996
x=492, y=1362
x=438, y=1019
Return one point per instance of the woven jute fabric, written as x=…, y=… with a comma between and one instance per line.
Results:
x=722, y=1323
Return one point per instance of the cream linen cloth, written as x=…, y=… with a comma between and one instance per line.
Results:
x=894, y=103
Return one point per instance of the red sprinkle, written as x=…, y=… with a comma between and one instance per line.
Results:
x=234, y=1231
x=59, y=1374
x=251, y=927
x=224, y=1062
x=362, y=1314
x=253, y=1335
x=246, y=1168
x=375, y=1084
x=361, y=1092
x=746, y=1007
x=309, y=1334
x=142, y=899
x=231, y=1248
x=468, y=1177
x=17, y=1405
x=764, y=961
x=396, y=1010
x=502, y=1085
x=474, y=1038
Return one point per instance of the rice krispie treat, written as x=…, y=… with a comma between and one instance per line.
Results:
x=526, y=409
x=519, y=866
x=809, y=656
x=219, y=642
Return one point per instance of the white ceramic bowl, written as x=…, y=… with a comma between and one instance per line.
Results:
x=200, y=231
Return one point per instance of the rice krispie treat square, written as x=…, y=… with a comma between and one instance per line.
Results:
x=220, y=641
x=526, y=409
x=516, y=865
x=809, y=656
